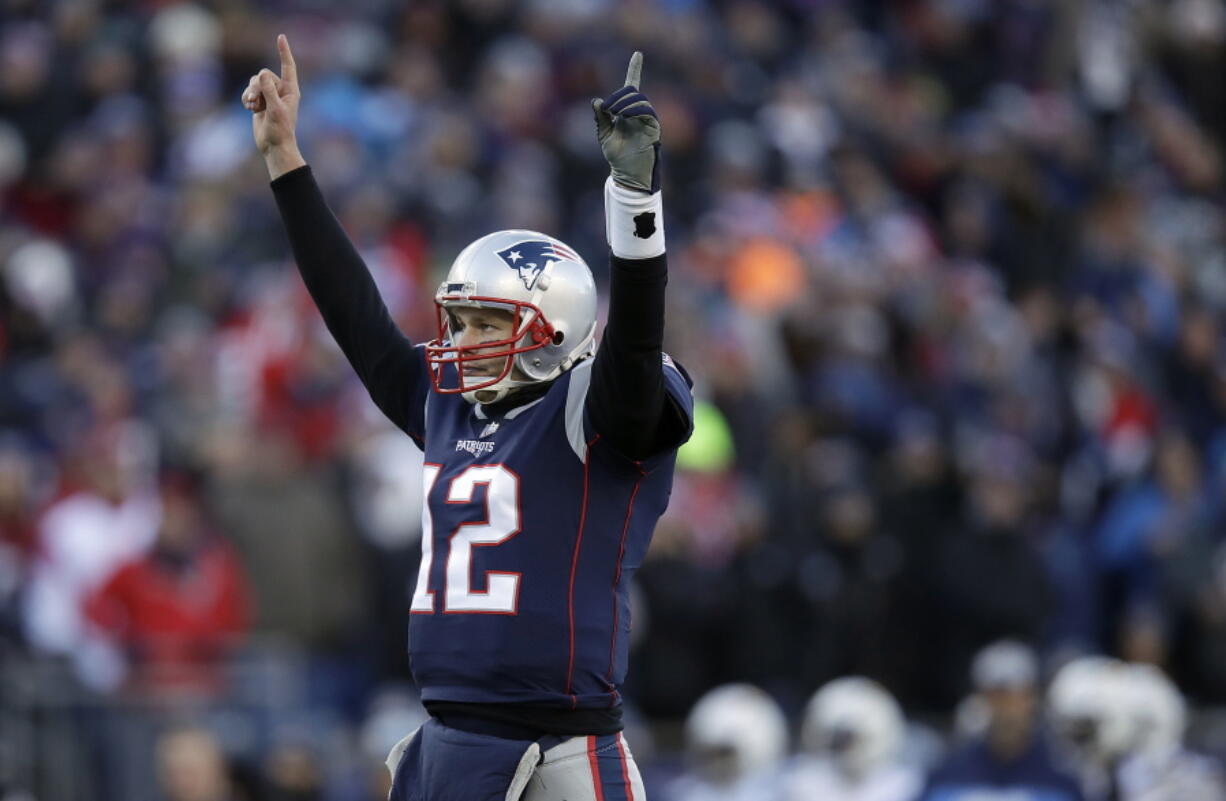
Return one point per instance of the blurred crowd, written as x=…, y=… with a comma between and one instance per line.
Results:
x=950, y=274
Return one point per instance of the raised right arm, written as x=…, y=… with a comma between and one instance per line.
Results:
x=392, y=370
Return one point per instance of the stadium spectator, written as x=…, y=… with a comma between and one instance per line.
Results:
x=990, y=579
x=191, y=766
x=18, y=526
x=86, y=536
x=293, y=773
x=286, y=519
x=179, y=609
x=18, y=533
x=841, y=600
x=290, y=530
x=1152, y=521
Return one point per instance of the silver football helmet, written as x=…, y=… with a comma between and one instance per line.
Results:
x=549, y=291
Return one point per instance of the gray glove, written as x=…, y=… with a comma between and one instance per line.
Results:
x=629, y=133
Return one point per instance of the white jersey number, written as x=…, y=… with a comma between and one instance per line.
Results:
x=501, y=594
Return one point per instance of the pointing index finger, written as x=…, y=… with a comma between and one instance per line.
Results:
x=635, y=71
x=289, y=70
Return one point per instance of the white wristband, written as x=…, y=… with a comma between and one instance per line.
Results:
x=634, y=222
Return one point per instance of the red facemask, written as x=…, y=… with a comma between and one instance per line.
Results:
x=530, y=331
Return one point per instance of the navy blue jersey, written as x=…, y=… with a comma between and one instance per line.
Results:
x=531, y=532
x=973, y=772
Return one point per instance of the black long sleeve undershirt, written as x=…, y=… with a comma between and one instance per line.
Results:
x=628, y=404
x=346, y=295
x=627, y=400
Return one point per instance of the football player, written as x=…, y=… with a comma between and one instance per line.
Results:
x=735, y=740
x=1088, y=703
x=1158, y=766
x=851, y=737
x=547, y=463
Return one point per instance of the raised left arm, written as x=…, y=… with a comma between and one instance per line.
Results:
x=628, y=402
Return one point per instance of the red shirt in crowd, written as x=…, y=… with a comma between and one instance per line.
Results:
x=176, y=615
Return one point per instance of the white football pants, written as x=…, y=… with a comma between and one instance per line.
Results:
x=588, y=768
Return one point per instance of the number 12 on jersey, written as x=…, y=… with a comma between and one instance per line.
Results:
x=501, y=523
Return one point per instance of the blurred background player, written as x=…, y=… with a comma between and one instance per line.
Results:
x=735, y=741
x=850, y=742
x=1009, y=756
x=548, y=462
x=1089, y=705
x=1158, y=767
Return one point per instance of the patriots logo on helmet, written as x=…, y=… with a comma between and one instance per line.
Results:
x=530, y=257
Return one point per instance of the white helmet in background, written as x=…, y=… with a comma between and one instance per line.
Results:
x=1088, y=699
x=550, y=293
x=856, y=722
x=1158, y=712
x=734, y=731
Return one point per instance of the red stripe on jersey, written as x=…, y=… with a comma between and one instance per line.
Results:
x=617, y=577
x=594, y=762
x=574, y=568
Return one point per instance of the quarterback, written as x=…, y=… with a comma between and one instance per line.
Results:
x=548, y=461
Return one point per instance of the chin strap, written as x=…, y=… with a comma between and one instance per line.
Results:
x=500, y=391
x=495, y=392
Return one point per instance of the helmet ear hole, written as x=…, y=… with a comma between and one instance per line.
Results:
x=559, y=337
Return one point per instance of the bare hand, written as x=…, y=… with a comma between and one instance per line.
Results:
x=273, y=101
